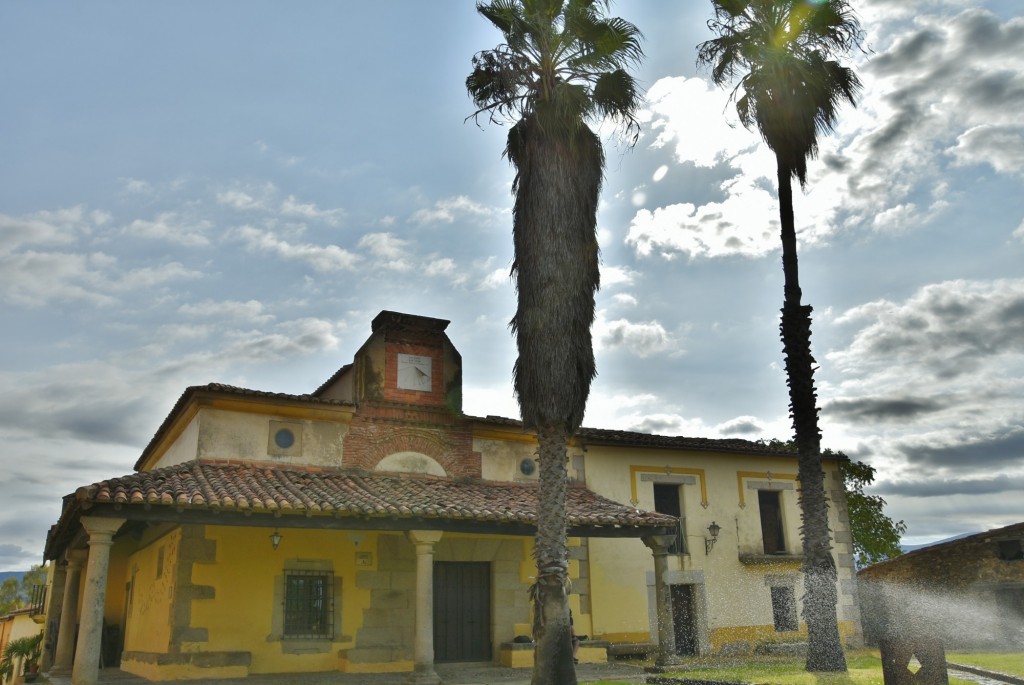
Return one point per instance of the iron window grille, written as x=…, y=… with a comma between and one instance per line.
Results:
x=308, y=605
x=37, y=601
x=678, y=545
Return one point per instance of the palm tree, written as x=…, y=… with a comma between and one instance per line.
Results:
x=790, y=89
x=561, y=66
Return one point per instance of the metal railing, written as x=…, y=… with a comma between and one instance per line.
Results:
x=679, y=546
x=37, y=599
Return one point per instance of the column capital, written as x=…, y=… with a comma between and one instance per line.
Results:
x=424, y=537
x=659, y=544
x=76, y=557
x=101, y=526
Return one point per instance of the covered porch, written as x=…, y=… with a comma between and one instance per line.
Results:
x=211, y=527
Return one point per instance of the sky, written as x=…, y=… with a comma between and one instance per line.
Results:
x=228, y=191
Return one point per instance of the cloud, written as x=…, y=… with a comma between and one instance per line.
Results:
x=868, y=410
x=295, y=338
x=253, y=198
x=171, y=228
x=322, y=258
x=251, y=310
x=391, y=251
x=996, y=485
x=59, y=227
x=744, y=426
x=677, y=106
x=940, y=94
x=641, y=339
x=934, y=383
x=448, y=210
x=617, y=275
x=1000, y=146
x=292, y=207
x=121, y=399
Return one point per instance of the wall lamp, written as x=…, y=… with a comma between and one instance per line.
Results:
x=714, y=529
x=275, y=538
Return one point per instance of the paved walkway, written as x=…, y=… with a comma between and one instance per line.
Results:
x=451, y=674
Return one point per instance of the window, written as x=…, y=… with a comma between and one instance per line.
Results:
x=308, y=604
x=771, y=521
x=667, y=501
x=784, y=609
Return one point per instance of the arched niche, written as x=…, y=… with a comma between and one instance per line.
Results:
x=410, y=462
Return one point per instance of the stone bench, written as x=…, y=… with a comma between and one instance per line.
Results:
x=631, y=649
x=520, y=654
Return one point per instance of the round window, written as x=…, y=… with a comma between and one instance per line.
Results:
x=284, y=438
x=527, y=466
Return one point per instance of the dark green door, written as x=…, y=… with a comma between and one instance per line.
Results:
x=462, y=611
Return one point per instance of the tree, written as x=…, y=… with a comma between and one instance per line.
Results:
x=562, y=65
x=876, y=537
x=9, y=596
x=16, y=594
x=790, y=89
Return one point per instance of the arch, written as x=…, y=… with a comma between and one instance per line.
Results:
x=410, y=462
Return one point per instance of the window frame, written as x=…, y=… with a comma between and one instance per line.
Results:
x=784, y=613
x=301, y=619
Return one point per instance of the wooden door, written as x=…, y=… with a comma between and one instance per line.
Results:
x=684, y=620
x=462, y=611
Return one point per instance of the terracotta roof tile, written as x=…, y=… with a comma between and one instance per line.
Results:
x=270, y=488
x=602, y=436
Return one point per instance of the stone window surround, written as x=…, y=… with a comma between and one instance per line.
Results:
x=291, y=645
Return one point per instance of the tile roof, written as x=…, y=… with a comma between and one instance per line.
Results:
x=587, y=435
x=604, y=436
x=268, y=488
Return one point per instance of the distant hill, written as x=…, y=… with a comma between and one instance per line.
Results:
x=911, y=548
x=4, y=575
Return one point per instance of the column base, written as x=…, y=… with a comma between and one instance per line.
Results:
x=663, y=664
x=425, y=675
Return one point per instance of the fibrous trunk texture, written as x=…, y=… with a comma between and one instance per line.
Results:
x=824, y=648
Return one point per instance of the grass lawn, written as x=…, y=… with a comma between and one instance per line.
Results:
x=1012, y=663
x=865, y=668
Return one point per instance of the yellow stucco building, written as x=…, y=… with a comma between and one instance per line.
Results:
x=371, y=526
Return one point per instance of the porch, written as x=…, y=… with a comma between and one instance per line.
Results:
x=451, y=674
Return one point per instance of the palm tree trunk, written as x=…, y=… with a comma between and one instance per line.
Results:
x=825, y=649
x=553, y=664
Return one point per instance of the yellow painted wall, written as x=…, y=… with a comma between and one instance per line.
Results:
x=153, y=588
x=185, y=446
x=738, y=597
x=244, y=578
x=227, y=434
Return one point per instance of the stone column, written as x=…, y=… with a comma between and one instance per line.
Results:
x=423, y=651
x=68, y=612
x=54, y=600
x=90, y=631
x=659, y=545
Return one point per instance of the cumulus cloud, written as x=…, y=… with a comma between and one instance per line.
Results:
x=43, y=228
x=1000, y=146
x=240, y=200
x=934, y=383
x=292, y=207
x=391, y=251
x=251, y=310
x=321, y=258
x=642, y=339
x=749, y=427
x=678, y=106
x=33, y=279
x=448, y=210
x=169, y=227
x=940, y=94
x=617, y=275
